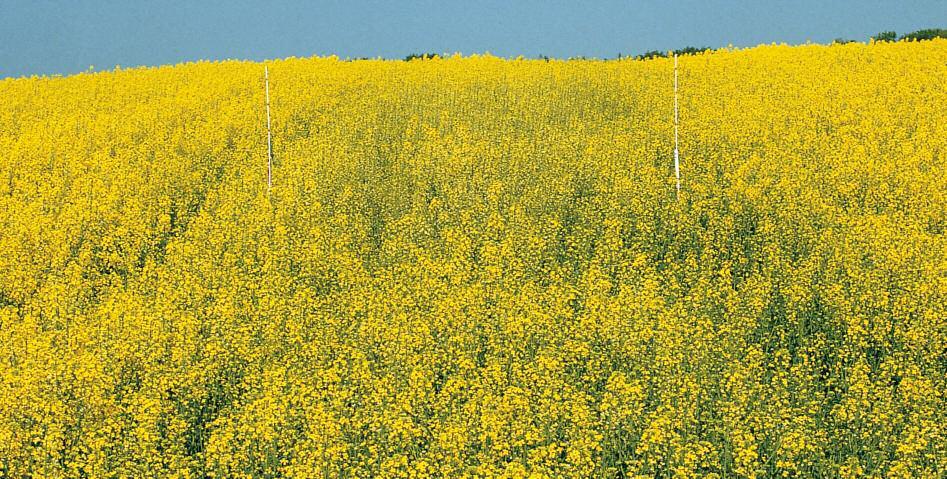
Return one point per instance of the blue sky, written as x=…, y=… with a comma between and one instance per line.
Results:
x=50, y=37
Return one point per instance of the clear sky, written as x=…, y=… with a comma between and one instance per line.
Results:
x=49, y=37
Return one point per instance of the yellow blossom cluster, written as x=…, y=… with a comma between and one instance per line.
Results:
x=477, y=267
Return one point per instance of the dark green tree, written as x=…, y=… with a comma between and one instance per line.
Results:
x=888, y=36
x=691, y=50
x=651, y=54
x=421, y=56
x=926, y=34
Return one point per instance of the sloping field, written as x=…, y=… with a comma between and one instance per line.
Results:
x=478, y=267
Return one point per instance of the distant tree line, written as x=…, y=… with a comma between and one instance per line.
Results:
x=681, y=51
x=925, y=34
x=421, y=56
x=887, y=36
x=892, y=36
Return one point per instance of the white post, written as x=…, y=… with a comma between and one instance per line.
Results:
x=269, y=135
x=677, y=162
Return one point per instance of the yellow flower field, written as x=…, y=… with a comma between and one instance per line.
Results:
x=477, y=267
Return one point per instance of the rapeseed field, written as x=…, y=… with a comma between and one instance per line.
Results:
x=478, y=267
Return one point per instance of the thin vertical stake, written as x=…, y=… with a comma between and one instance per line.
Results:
x=677, y=162
x=269, y=135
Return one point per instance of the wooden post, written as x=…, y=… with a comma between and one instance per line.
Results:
x=677, y=161
x=269, y=135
